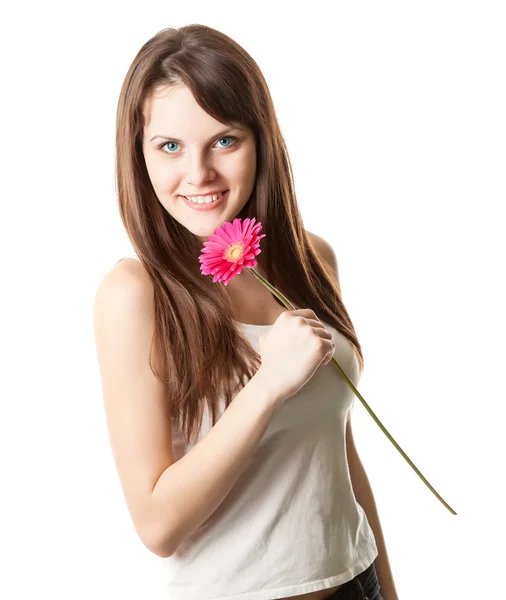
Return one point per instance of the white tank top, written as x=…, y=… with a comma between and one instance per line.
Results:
x=291, y=524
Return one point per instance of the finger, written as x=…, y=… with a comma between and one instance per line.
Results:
x=304, y=312
x=320, y=326
x=314, y=322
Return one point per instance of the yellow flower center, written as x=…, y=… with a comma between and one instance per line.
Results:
x=234, y=252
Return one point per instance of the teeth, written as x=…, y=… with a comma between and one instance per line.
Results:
x=204, y=199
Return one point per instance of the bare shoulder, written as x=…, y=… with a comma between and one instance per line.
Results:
x=125, y=281
x=127, y=269
x=322, y=247
x=135, y=401
x=326, y=252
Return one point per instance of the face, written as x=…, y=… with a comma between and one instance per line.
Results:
x=188, y=153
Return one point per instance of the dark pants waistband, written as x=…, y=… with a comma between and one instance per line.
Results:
x=363, y=586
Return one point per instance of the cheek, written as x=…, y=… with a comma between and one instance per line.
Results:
x=245, y=168
x=161, y=178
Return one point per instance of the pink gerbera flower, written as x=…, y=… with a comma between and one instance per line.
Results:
x=231, y=247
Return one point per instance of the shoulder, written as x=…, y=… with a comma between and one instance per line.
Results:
x=125, y=286
x=127, y=271
x=129, y=267
x=123, y=312
x=323, y=248
x=325, y=251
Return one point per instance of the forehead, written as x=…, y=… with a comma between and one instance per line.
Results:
x=173, y=110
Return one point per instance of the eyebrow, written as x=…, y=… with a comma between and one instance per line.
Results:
x=217, y=135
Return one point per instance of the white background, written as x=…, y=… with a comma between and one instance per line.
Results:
x=394, y=115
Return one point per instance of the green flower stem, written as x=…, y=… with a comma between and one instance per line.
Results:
x=289, y=306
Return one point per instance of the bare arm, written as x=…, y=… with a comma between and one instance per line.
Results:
x=190, y=490
x=167, y=500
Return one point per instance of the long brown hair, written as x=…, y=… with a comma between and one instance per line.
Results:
x=197, y=349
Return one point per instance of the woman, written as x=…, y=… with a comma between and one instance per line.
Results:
x=228, y=438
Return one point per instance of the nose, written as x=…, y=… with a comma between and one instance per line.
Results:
x=199, y=172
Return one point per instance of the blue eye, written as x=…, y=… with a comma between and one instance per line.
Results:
x=166, y=143
x=229, y=137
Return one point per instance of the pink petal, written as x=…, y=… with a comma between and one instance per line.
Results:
x=215, y=248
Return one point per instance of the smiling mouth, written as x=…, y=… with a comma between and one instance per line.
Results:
x=218, y=196
x=207, y=206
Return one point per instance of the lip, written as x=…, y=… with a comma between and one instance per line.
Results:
x=206, y=207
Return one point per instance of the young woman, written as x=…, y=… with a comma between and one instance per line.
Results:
x=230, y=437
